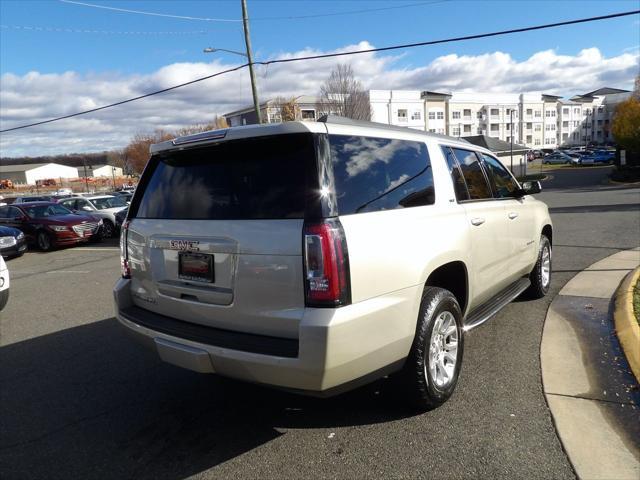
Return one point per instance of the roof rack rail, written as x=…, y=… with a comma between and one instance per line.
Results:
x=338, y=120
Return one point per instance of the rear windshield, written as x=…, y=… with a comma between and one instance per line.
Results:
x=256, y=178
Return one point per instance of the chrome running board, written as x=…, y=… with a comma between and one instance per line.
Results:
x=496, y=303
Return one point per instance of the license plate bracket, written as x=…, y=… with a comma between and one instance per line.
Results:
x=196, y=267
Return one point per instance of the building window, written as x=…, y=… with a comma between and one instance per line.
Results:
x=576, y=135
x=479, y=131
x=549, y=141
x=432, y=130
x=455, y=115
x=538, y=114
x=565, y=111
x=495, y=127
x=538, y=128
x=507, y=127
x=576, y=111
x=416, y=115
x=529, y=126
x=466, y=112
x=565, y=136
x=467, y=128
x=550, y=113
x=495, y=112
x=529, y=138
x=576, y=123
x=456, y=131
x=308, y=114
x=432, y=115
x=440, y=115
x=599, y=122
x=587, y=111
x=402, y=115
x=600, y=109
x=565, y=124
x=529, y=112
x=479, y=115
x=537, y=142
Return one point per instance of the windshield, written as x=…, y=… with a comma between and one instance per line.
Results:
x=43, y=211
x=108, y=202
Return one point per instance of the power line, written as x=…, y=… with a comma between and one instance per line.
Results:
x=341, y=54
x=103, y=32
x=128, y=100
x=286, y=17
x=142, y=12
x=351, y=12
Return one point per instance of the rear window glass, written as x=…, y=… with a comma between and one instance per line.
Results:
x=256, y=178
x=373, y=174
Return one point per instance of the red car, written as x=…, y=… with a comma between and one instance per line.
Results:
x=49, y=225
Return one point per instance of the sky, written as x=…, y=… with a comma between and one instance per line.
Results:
x=60, y=57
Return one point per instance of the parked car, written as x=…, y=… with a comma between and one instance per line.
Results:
x=120, y=217
x=4, y=284
x=319, y=256
x=598, y=156
x=102, y=206
x=12, y=242
x=126, y=196
x=34, y=198
x=64, y=191
x=558, y=157
x=48, y=225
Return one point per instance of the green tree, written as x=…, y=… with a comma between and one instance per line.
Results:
x=626, y=125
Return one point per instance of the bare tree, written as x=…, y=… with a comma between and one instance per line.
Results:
x=343, y=95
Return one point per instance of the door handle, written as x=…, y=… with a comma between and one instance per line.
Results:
x=513, y=215
x=477, y=221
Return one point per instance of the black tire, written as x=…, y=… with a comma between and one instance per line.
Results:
x=108, y=229
x=4, y=298
x=44, y=241
x=541, y=281
x=416, y=378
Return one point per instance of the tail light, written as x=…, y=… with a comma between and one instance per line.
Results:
x=326, y=265
x=124, y=255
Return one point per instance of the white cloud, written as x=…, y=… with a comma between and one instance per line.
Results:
x=38, y=96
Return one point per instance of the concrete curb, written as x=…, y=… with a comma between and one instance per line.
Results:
x=627, y=326
x=591, y=393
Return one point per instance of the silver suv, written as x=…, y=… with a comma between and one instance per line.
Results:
x=319, y=256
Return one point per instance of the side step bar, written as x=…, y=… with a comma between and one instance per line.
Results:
x=495, y=304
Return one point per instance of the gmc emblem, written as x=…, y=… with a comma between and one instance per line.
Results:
x=184, y=245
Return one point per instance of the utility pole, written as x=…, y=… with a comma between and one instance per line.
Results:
x=247, y=41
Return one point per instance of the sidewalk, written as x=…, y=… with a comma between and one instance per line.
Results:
x=593, y=397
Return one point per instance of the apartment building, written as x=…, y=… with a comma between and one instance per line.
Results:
x=536, y=120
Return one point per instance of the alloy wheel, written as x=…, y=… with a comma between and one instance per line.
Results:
x=442, y=355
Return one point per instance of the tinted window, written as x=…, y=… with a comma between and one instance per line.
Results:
x=473, y=174
x=4, y=212
x=503, y=183
x=263, y=177
x=458, y=180
x=373, y=174
x=46, y=210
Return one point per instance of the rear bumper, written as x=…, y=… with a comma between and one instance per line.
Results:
x=336, y=348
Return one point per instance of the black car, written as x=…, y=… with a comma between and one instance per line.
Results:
x=12, y=242
x=120, y=217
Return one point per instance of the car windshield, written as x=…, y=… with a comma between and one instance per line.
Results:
x=108, y=202
x=49, y=210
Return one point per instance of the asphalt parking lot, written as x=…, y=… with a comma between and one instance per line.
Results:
x=80, y=399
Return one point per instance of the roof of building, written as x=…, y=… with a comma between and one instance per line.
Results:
x=494, y=144
x=25, y=167
x=546, y=96
x=427, y=93
x=604, y=91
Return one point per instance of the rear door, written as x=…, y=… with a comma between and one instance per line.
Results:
x=216, y=234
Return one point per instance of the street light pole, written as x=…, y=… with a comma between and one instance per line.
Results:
x=511, y=137
x=247, y=40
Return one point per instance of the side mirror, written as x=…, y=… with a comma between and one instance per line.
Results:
x=530, y=188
